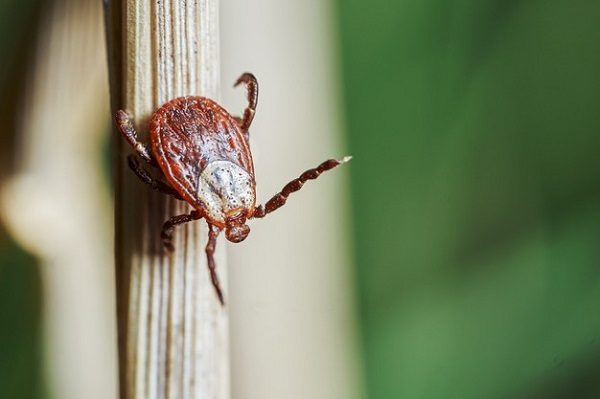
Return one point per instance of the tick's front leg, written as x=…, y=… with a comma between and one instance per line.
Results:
x=252, y=87
x=125, y=125
x=279, y=199
x=213, y=233
x=169, y=227
x=144, y=176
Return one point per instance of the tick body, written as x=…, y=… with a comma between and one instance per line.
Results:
x=204, y=158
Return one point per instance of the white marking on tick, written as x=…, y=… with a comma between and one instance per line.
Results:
x=224, y=187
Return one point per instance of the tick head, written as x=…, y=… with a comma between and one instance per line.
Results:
x=236, y=230
x=237, y=233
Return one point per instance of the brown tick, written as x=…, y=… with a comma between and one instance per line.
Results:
x=204, y=156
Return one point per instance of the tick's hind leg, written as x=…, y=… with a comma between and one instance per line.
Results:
x=169, y=227
x=144, y=176
x=252, y=87
x=126, y=128
x=280, y=198
x=213, y=233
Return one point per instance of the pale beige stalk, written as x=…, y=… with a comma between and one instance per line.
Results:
x=173, y=332
x=293, y=323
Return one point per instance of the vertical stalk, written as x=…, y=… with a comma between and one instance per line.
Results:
x=173, y=334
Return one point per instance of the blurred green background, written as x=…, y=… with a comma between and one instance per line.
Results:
x=475, y=194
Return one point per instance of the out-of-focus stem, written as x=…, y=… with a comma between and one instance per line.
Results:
x=57, y=205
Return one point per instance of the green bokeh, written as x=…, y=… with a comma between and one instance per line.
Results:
x=475, y=131
x=20, y=332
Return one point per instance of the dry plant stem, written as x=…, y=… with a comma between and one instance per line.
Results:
x=173, y=333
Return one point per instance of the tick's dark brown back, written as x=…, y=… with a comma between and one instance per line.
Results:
x=188, y=133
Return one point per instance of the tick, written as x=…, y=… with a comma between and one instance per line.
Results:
x=203, y=156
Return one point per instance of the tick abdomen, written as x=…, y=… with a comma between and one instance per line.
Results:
x=199, y=147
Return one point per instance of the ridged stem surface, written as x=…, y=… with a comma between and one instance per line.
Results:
x=173, y=333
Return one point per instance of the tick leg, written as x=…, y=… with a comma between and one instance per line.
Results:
x=169, y=226
x=280, y=198
x=126, y=128
x=149, y=180
x=252, y=89
x=246, y=134
x=213, y=233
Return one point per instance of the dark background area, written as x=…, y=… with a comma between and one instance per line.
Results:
x=20, y=287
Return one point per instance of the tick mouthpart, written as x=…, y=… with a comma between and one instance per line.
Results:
x=236, y=229
x=237, y=233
